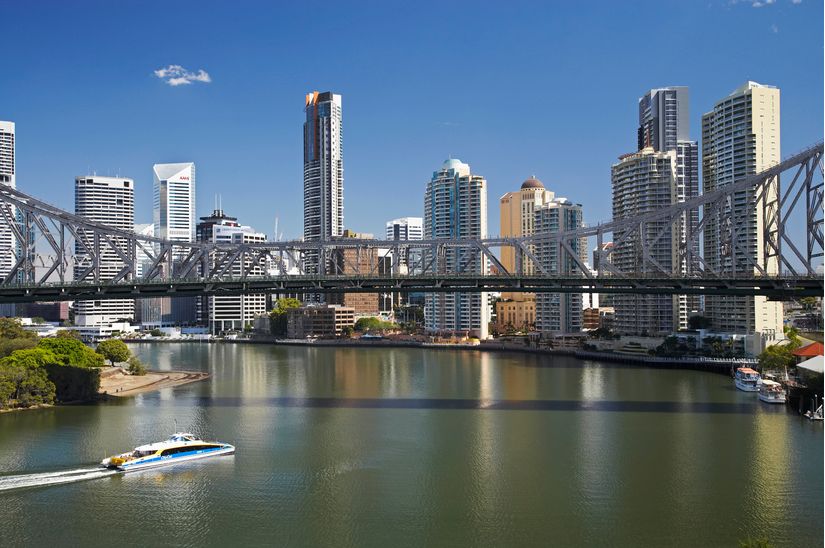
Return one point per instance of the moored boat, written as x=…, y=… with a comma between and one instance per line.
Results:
x=771, y=392
x=747, y=379
x=180, y=447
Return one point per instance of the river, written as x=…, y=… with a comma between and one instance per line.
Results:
x=413, y=447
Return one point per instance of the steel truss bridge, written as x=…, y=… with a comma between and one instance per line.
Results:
x=61, y=256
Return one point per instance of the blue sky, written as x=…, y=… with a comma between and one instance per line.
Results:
x=513, y=89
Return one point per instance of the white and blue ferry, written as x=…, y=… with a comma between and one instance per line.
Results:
x=180, y=447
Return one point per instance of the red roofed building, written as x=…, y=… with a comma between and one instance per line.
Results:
x=809, y=351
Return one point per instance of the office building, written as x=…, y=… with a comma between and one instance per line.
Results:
x=455, y=207
x=741, y=137
x=559, y=313
x=174, y=219
x=234, y=312
x=319, y=321
x=8, y=176
x=664, y=126
x=323, y=172
x=110, y=201
x=517, y=310
x=405, y=229
x=353, y=261
x=644, y=182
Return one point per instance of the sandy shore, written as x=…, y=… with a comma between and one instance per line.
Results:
x=115, y=382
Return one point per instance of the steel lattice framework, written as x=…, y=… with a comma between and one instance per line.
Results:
x=788, y=196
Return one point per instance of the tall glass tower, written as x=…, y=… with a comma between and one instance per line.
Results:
x=323, y=172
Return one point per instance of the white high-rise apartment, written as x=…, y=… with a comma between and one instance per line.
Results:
x=173, y=215
x=323, y=171
x=664, y=126
x=740, y=137
x=8, y=177
x=111, y=201
x=455, y=206
x=558, y=313
x=642, y=183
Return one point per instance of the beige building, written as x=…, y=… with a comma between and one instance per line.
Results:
x=319, y=321
x=518, y=219
x=517, y=313
x=352, y=262
x=741, y=137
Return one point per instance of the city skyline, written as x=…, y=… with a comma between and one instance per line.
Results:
x=260, y=128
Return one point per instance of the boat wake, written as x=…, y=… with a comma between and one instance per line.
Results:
x=8, y=483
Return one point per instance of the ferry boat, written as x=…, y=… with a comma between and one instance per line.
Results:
x=771, y=392
x=747, y=379
x=180, y=447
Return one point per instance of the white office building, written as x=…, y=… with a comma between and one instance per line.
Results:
x=741, y=137
x=173, y=216
x=455, y=206
x=8, y=176
x=110, y=201
x=558, y=313
x=406, y=229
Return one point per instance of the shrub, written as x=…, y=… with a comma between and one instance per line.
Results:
x=136, y=367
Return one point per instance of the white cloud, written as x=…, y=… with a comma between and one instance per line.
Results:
x=176, y=75
x=796, y=1
x=774, y=29
x=761, y=3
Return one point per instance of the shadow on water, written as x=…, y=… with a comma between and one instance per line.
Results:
x=474, y=404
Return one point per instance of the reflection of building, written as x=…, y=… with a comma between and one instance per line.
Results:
x=174, y=219
x=740, y=137
x=110, y=201
x=323, y=171
x=517, y=212
x=559, y=313
x=645, y=182
x=235, y=312
x=455, y=207
x=319, y=321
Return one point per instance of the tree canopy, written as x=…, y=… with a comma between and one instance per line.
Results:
x=114, y=350
x=72, y=352
x=373, y=324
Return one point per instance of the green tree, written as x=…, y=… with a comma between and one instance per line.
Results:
x=22, y=387
x=776, y=357
x=278, y=315
x=10, y=328
x=699, y=322
x=70, y=351
x=792, y=334
x=347, y=331
x=68, y=334
x=30, y=358
x=114, y=350
x=7, y=346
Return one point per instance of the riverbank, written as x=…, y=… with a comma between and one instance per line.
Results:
x=716, y=365
x=115, y=382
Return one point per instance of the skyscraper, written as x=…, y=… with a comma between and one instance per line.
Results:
x=405, y=229
x=323, y=171
x=8, y=176
x=517, y=310
x=740, y=137
x=558, y=313
x=664, y=126
x=110, y=201
x=173, y=215
x=642, y=183
x=455, y=206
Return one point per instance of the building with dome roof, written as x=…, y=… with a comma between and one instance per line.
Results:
x=455, y=206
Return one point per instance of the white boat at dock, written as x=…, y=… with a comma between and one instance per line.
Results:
x=747, y=379
x=771, y=392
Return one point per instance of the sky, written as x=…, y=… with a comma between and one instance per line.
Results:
x=512, y=88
